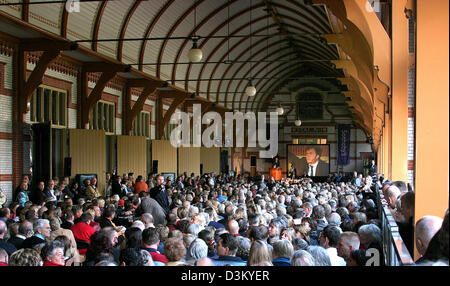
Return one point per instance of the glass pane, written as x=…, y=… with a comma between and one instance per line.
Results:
x=46, y=105
x=54, y=103
x=62, y=108
x=91, y=119
x=105, y=123
x=147, y=125
x=139, y=124
x=38, y=104
x=99, y=115
x=32, y=101
x=106, y=118
x=112, y=117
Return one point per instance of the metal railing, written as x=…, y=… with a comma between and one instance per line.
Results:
x=395, y=252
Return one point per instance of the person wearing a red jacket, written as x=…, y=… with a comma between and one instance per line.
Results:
x=3, y=257
x=82, y=231
x=150, y=242
x=53, y=253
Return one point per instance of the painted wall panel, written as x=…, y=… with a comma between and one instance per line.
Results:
x=132, y=155
x=210, y=158
x=166, y=155
x=189, y=160
x=88, y=151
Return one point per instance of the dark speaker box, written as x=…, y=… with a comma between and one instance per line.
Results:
x=67, y=167
x=155, y=167
x=41, y=152
x=252, y=161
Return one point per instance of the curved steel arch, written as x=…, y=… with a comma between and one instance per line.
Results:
x=253, y=21
x=98, y=19
x=313, y=54
x=64, y=19
x=205, y=20
x=149, y=31
x=170, y=32
x=262, y=97
x=287, y=74
x=124, y=27
x=241, y=41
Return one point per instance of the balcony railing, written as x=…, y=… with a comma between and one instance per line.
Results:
x=395, y=252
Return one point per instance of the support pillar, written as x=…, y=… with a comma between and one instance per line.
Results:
x=400, y=56
x=432, y=109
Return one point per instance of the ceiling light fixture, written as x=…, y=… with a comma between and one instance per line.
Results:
x=280, y=110
x=195, y=54
x=250, y=90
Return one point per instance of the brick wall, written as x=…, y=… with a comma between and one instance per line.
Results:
x=6, y=128
x=411, y=124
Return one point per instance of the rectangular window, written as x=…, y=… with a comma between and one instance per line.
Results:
x=309, y=140
x=168, y=129
x=49, y=104
x=141, y=126
x=310, y=106
x=103, y=117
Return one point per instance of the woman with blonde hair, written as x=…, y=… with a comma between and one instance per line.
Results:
x=287, y=233
x=239, y=213
x=259, y=254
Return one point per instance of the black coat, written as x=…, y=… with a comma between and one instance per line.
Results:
x=32, y=241
x=8, y=247
x=16, y=241
x=160, y=195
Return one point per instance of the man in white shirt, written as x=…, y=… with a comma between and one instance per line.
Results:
x=328, y=239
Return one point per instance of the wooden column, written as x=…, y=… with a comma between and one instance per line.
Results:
x=432, y=109
x=159, y=128
x=399, y=91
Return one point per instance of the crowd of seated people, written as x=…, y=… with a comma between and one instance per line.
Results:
x=211, y=220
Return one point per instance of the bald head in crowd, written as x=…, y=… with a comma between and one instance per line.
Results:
x=391, y=195
x=426, y=228
x=348, y=241
x=233, y=227
x=205, y=261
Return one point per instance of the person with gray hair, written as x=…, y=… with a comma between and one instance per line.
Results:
x=147, y=219
x=299, y=244
x=3, y=257
x=194, y=229
x=193, y=210
x=282, y=252
x=275, y=227
x=147, y=259
x=334, y=219
x=197, y=250
x=243, y=247
x=348, y=241
x=10, y=248
x=321, y=257
x=426, y=228
x=41, y=232
x=370, y=236
x=53, y=253
x=302, y=258
x=106, y=263
x=138, y=224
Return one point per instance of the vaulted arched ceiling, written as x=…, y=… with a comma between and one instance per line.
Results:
x=265, y=40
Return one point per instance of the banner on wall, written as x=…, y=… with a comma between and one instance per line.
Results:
x=343, y=150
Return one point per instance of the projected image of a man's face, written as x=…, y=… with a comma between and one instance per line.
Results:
x=311, y=156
